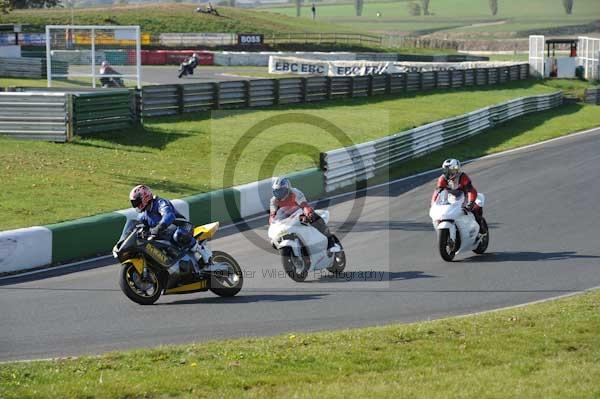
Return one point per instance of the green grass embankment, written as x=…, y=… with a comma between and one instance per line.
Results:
x=546, y=350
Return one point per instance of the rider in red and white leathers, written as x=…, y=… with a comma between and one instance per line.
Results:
x=454, y=180
x=284, y=195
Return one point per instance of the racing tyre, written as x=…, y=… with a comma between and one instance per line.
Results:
x=295, y=267
x=230, y=283
x=141, y=292
x=339, y=263
x=483, y=245
x=446, y=247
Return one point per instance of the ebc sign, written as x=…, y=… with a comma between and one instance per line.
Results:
x=299, y=67
x=250, y=39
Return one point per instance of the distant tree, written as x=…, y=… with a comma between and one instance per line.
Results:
x=494, y=6
x=24, y=4
x=568, y=5
x=359, y=7
x=425, y=6
x=298, y=7
x=414, y=9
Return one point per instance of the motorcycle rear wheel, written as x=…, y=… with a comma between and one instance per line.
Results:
x=131, y=282
x=295, y=267
x=230, y=285
x=446, y=248
x=339, y=263
x=483, y=245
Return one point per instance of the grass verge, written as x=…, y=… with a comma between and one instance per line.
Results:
x=179, y=156
x=455, y=18
x=163, y=18
x=546, y=350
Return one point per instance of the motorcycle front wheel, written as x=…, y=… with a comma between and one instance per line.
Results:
x=295, y=267
x=230, y=283
x=446, y=247
x=141, y=292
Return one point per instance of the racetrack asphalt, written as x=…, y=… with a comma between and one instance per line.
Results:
x=541, y=204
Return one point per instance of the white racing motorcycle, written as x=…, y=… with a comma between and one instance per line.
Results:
x=302, y=247
x=457, y=229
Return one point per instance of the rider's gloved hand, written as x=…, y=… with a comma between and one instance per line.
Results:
x=309, y=212
x=156, y=230
x=470, y=205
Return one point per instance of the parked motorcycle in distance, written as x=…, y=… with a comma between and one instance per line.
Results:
x=301, y=246
x=153, y=267
x=457, y=230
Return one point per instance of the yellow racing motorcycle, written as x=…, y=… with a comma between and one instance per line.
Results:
x=152, y=267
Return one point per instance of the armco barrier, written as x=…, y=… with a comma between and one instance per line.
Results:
x=162, y=100
x=35, y=116
x=346, y=166
x=25, y=248
x=85, y=237
x=592, y=95
x=211, y=206
x=103, y=111
x=29, y=67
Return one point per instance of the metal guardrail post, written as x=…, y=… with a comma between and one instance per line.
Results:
x=421, y=81
x=276, y=90
x=370, y=86
x=216, y=95
x=436, y=79
x=70, y=117
x=247, y=92
x=450, y=78
x=180, y=99
x=487, y=76
x=303, y=90
x=351, y=92
x=405, y=82
x=328, y=87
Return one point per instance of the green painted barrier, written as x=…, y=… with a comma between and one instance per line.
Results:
x=86, y=237
x=116, y=57
x=212, y=206
x=311, y=182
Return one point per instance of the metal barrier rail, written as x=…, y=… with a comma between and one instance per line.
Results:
x=35, y=116
x=592, y=95
x=104, y=111
x=29, y=67
x=346, y=166
x=163, y=100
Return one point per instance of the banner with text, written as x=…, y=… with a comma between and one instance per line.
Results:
x=300, y=66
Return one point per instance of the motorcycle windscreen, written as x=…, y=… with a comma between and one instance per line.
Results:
x=129, y=227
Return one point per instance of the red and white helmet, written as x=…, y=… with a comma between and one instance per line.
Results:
x=140, y=196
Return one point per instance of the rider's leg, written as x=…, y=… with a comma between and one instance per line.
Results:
x=478, y=213
x=319, y=224
x=184, y=238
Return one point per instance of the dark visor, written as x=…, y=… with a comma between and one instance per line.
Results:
x=136, y=202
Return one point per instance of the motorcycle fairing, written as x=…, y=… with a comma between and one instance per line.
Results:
x=137, y=263
x=206, y=232
x=197, y=286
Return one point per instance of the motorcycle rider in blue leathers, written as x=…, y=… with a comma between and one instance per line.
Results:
x=162, y=218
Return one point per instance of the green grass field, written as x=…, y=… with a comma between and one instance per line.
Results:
x=178, y=156
x=546, y=350
x=161, y=18
x=456, y=17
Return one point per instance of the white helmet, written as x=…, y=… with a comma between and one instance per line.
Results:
x=195, y=55
x=451, y=168
x=281, y=188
